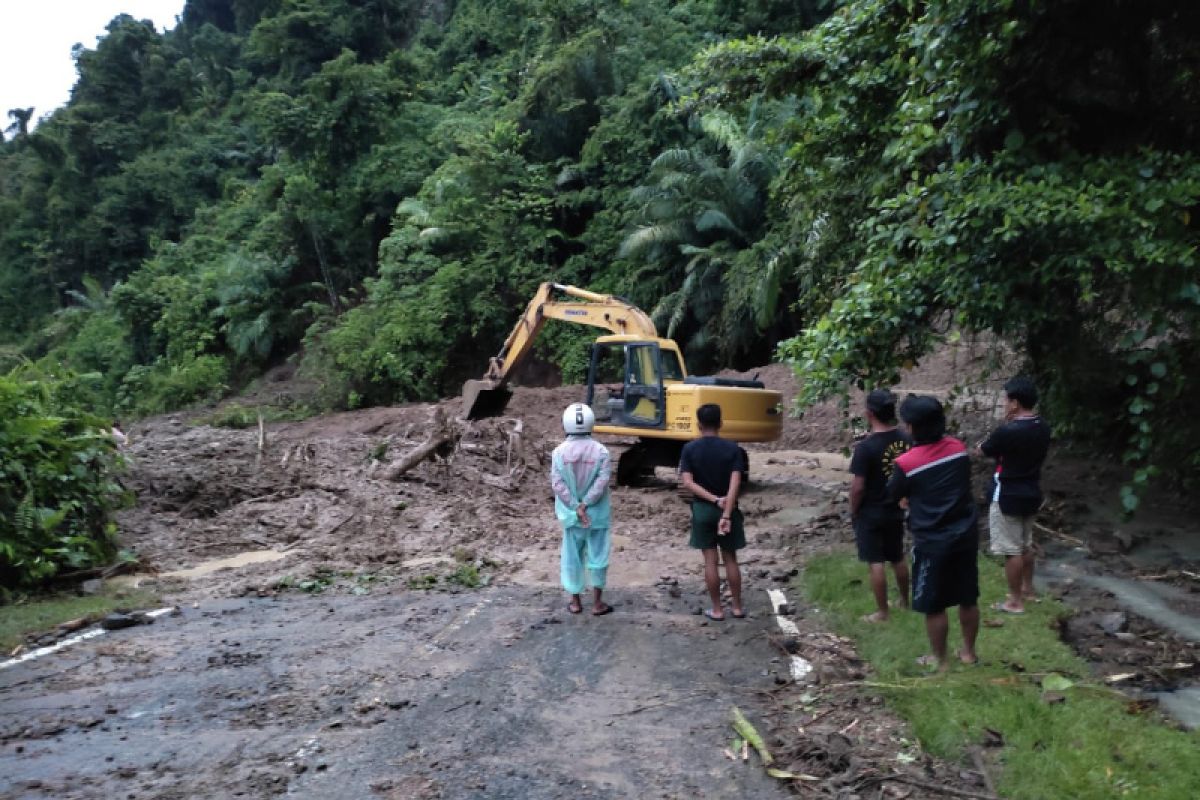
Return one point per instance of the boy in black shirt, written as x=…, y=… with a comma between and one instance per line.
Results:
x=1019, y=447
x=711, y=469
x=935, y=476
x=878, y=522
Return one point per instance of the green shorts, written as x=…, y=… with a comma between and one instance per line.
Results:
x=705, y=517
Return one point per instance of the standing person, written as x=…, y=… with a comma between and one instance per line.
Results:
x=935, y=477
x=711, y=469
x=1019, y=447
x=580, y=475
x=878, y=521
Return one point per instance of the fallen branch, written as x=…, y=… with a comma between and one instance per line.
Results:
x=442, y=434
x=1059, y=534
x=262, y=440
x=340, y=524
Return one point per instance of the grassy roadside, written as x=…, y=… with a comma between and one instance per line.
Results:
x=1089, y=745
x=43, y=613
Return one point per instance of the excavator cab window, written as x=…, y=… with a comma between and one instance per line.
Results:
x=672, y=370
x=625, y=384
x=644, y=401
x=606, y=383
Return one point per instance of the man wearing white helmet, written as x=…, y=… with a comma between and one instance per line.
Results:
x=580, y=474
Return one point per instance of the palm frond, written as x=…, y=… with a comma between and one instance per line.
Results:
x=650, y=236
x=713, y=219
x=721, y=127
x=415, y=210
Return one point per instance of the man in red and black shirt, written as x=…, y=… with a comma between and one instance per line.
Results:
x=935, y=478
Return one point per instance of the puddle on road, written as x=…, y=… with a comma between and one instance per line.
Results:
x=232, y=562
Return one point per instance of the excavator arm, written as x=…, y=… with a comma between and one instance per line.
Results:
x=488, y=397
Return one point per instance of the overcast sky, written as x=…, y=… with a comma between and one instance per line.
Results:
x=36, y=37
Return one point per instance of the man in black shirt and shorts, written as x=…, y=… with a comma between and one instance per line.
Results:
x=935, y=477
x=711, y=469
x=1019, y=447
x=879, y=522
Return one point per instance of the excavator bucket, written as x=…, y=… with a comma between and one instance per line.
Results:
x=484, y=398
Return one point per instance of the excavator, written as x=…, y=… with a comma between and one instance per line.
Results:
x=637, y=384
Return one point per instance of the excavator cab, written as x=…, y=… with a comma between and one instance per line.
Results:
x=626, y=381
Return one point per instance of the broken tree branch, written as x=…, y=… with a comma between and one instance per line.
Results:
x=442, y=433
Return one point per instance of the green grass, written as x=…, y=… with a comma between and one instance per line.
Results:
x=1090, y=746
x=43, y=613
x=238, y=416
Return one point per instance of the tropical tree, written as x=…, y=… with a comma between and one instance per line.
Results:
x=701, y=207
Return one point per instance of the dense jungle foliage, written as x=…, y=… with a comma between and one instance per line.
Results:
x=374, y=187
x=57, y=486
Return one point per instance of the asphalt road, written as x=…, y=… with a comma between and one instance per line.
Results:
x=495, y=693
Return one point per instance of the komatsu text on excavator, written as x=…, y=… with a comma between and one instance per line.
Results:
x=637, y=384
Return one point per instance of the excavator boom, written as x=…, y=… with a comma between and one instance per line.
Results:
x=489, y=397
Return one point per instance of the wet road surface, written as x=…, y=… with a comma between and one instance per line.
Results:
x=495, y=693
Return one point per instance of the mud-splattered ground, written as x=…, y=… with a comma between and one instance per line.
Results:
x=347, y=632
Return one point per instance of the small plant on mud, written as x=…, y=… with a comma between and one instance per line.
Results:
x=317, y=582
x=238, y=417
x=466, y=576
x=378, y=452
x=424, y=582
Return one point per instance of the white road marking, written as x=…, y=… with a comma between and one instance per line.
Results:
x=436, y=643
x=76, y=639
x=800, y=667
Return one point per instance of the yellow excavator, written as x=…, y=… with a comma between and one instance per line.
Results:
x=637, y=384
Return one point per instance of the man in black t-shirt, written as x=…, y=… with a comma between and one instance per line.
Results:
x=711, y=469
x=879, y=522
x=1019, y=447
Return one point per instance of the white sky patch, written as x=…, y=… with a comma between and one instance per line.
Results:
x=36, y=37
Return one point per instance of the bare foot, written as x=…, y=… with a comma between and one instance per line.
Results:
x=970, y=659
x=878, y=616
x=930, y=662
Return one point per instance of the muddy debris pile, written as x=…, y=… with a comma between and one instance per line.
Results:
x=344, y=493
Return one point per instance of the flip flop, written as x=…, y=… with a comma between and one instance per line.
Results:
x=606, y=610
x=571, y=608
x=737, y=615
x=999, y=606
x=708, y=613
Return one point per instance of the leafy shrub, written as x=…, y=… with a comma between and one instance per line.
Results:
x=57, y=486
x=162, y=387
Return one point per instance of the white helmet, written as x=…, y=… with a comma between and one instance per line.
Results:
x=578, y=419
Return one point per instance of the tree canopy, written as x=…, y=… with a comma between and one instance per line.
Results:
x=376, y=186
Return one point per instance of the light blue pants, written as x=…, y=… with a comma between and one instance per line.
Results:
x=584, y=546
